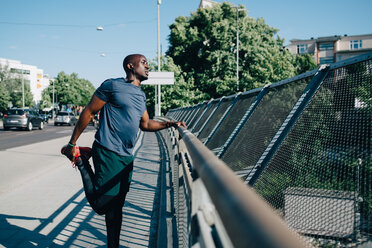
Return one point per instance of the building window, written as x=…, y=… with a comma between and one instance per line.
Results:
x=355, y=44
x=19, y=71
x=325, y=46
x=326, y=60
x=302, y=49
x=15, y=70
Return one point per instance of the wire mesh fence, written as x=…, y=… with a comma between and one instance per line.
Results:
x=228, y=124
x=205, y=116
x=323, y=168
x=198, y=113
x=258, y=131
x=225, y=103
x=319, y=176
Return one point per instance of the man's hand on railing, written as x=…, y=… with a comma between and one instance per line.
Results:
x=177, y=124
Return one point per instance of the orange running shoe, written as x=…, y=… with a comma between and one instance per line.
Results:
x=84, y=152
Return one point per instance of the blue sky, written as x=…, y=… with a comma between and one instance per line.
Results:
x=60, y=35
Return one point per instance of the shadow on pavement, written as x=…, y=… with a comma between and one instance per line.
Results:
x=74, y=223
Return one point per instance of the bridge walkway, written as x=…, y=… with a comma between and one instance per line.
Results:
x=46, y=205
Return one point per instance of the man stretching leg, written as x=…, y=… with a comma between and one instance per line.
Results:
x=122, y=106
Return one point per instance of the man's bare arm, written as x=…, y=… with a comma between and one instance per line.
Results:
x=94, y=106
x=149, y=125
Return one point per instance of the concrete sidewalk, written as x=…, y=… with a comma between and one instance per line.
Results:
x=42, y=202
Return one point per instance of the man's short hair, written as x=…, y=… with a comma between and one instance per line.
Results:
x=129, y=59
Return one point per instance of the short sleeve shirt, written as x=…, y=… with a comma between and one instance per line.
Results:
x=120, y=117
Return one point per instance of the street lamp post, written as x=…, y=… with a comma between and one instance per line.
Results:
x=237, y=47
x=158, y=111
x=23, y=88
x=53, y=102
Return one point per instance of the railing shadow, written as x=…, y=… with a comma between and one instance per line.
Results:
x=74, y=223
x=66, y=233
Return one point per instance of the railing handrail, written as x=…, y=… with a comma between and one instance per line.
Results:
x=248, y=219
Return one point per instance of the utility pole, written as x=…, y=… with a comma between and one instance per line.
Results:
x=23, y=88
x=158, y=111
x=237, y=47
x=53, y=102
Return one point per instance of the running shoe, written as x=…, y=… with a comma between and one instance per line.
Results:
x=83, y=152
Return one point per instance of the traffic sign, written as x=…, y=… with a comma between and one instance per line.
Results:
x=162, y=78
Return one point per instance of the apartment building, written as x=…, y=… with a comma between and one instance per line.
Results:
x=332, y=49
x=32, y=75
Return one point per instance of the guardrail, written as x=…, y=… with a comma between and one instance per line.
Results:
x=218, y=209
x=302, y=144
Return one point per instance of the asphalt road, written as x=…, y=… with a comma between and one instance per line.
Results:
x=14, y=138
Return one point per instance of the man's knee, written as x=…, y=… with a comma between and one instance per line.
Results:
x=102, y=204
x=100, y=211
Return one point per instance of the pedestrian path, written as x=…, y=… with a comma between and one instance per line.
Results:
x=46, y=207
x=140, y=209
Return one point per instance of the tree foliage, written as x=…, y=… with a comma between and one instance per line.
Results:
x=68, y=89
x=204, y=47
x=4, y=98
x=304, y=63
x=330, y=146
x=181, y=94
x=11, y=90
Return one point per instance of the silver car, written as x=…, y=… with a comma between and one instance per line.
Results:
x=22, y=119
x=64, y=117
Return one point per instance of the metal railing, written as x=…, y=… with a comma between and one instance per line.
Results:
x=214, y=208
x=303, y=144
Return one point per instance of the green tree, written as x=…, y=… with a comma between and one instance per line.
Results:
x=304, y=63
x=16, y=93
x=46, y=100
x=12, y=88
x=4, y=94
x=180, y=94
x=204, y=47
x=68, y=89
x=86, y=91
x=4, y=98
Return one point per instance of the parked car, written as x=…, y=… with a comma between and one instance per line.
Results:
x=64, y=117
x=22, y=119
x=45, y=118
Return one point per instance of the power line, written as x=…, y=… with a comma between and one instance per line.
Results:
x=72, y=25
x=43, y=24
x=106, y=52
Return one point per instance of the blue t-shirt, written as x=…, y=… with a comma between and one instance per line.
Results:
x=120, y=117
